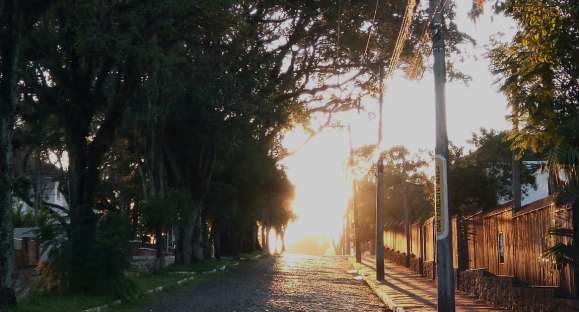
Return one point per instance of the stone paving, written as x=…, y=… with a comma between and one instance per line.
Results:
x=279, y=283
x=404, y=290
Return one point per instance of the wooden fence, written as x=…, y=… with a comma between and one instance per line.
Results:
x=499, y=241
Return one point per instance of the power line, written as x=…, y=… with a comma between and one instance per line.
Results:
x=370, y=31
x=395, y=58
x=337, y=57
x=424, y=46
x=402, y=37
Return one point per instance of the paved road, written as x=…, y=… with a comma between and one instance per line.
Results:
x=283, y=283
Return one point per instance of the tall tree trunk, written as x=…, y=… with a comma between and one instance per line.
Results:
x=216, y=235
x=179, y=255
x=160, y=250
x=187, y=240
x=282, y=235
x=262, y=234
x=82, y=236
x=267, y=242
x=575, y=220
x=8, y=96
x=198, y=239
x=205, y=235
x=254, y=236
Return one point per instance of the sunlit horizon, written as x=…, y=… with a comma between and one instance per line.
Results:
x=317, y=169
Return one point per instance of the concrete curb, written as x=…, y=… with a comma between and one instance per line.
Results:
x=375, y=286
x=161, y=288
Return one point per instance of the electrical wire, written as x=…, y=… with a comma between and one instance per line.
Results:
x=370, y=31
x=424, y=47
x=402, y=37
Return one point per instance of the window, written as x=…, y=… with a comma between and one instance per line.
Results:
x=501, y=247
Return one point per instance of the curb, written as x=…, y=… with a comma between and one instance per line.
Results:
x=375, y=286
x=179, y=283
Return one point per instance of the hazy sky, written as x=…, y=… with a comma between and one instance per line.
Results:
x=317, y=170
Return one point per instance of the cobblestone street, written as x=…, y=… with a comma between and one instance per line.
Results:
x=282, y=283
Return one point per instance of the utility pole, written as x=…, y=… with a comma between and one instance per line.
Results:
x=516, y=182
x=356, y=231
x=347, y=234
x=444, y=272
x=357, y=249
x=380, y=191
x=406, y=224
x=516, y=169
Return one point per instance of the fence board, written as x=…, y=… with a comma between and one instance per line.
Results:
x=502, y=242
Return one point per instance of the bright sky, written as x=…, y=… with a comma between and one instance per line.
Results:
x=317, y=169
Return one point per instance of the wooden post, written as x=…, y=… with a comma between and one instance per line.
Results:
x=444, y=272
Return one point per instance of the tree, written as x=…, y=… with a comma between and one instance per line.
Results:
x=406, y=188
x=538, y=73
x=15, y=18
x=404, y=180
x=483, y=175
x=214, y=83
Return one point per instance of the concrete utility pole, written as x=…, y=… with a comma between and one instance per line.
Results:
x=444, y=272
x=380, y=191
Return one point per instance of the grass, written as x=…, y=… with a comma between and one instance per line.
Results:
x=59, y=302
x=167, y=278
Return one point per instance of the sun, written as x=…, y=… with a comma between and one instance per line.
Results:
x=323, y=186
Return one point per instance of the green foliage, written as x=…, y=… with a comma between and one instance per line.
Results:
x=366, y=204
x=111, y=258
x=404, y=176
x=562, y=253
x=193, y=96
x=21, y=218
x=538, y=73
x=484, y=174
x=107, y=265
x=159, y=213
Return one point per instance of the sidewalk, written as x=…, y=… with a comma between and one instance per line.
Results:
x=404, y=290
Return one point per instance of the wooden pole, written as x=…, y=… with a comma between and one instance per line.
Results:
x=445, y=275
x=380, y=192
